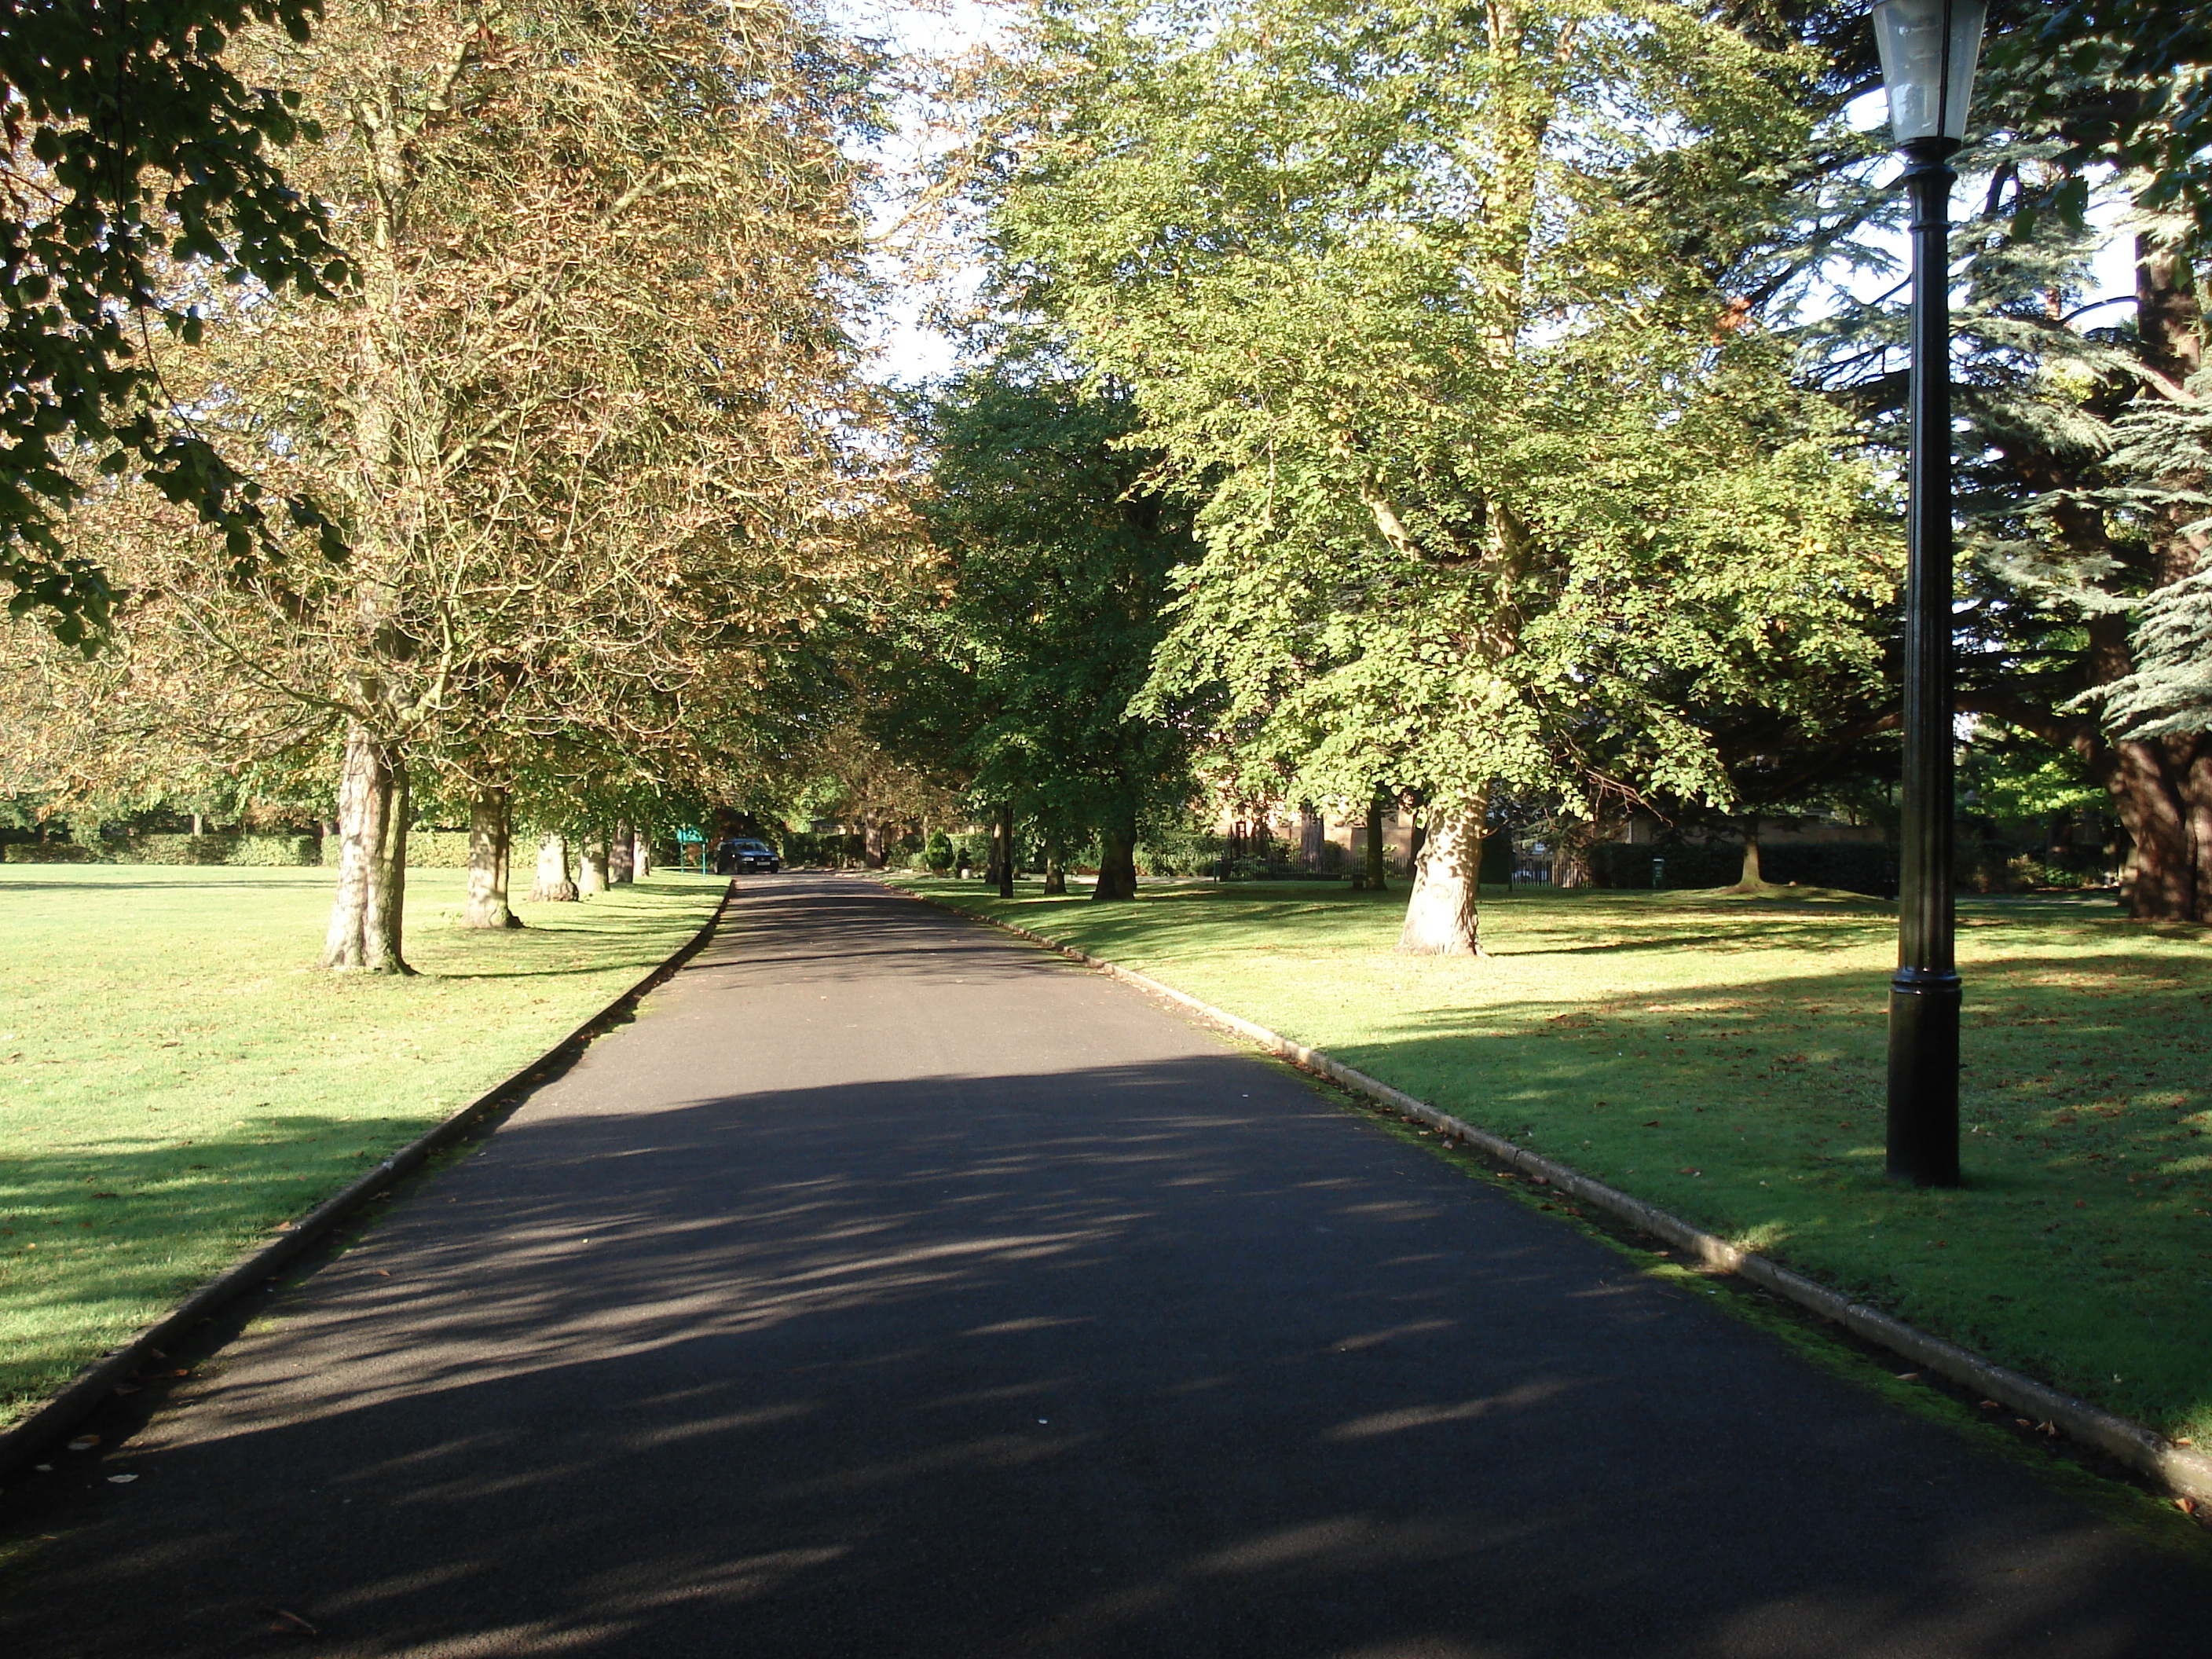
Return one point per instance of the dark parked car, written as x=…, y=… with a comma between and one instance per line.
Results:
x=740, y=857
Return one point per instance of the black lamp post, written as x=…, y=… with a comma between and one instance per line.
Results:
x=1928, y=53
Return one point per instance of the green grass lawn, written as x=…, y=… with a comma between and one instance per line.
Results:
x=1723, y=1057
x=176, y=1079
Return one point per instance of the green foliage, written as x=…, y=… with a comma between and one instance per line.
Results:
x=937, y=855
x=1016, y=672
x=47, y=852
x=2153, y=60
x=137, y=151
x=1488, y=493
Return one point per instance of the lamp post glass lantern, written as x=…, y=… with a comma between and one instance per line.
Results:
x=1929, y=49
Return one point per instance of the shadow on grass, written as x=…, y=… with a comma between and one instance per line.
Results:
x=99, y=1243
x=1164, y=1357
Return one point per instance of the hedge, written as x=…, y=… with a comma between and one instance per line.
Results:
x=169, y=849
x=46, y=852
x=1870, y=867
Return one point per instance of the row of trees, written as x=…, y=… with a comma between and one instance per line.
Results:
x=580, y=405
x=1491, y=362
x=1374, y=403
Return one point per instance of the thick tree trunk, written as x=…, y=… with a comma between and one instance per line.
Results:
x=491, y=834
x=2196, y=794
x=2163, y=786
x=592, y=865
x=2147, y=780
x=1002, y=851
x=1442, y=916
x=553, y=885
x=641, y=855
x=1377, y=869
x=1117, y=857
x=620, y=855
x=1751, y=880
x=873, y=836
x=1055, y=876
x=368, y=909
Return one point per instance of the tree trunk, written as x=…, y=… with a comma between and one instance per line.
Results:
x=2197, y=792
x=1442, y=916
x=1002, y=851
x=1055, y=876
x=491, y=833
x=2147, y=786
x=592, y=865
x=873, y=836
x=620, y=856
x=553, y=885
x=1117, y=857
x=369, y=905
x=1377, y=866
x=641, y=855
x=1751, y=880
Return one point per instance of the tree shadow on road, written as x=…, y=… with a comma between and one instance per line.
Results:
x=1172, y=1358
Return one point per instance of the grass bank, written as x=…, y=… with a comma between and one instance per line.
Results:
x=176, y=1079
x=1723, y=1057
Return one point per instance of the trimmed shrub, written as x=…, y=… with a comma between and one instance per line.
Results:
x=47, y=852
x=426, y=849
x=178, y=849
x=278, y=851
x=937, y=852
x=1180, y=853
x=438, y=849
x=1688, y=864
x=832, y=852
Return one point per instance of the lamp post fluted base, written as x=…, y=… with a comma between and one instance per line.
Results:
x=1923, y=1078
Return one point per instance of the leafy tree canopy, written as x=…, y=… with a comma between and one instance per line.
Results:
x=130, y=146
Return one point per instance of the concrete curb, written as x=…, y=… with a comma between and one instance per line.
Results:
x=51, y=1422
x=2183, y=1472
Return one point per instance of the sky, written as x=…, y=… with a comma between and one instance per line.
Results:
x=907, y=350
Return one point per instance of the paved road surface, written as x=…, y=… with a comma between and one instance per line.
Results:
x=891, y=1289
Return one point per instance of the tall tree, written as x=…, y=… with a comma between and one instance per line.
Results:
x=1493, y=478
x=589, y=416
x=2081, y=470
x=1054, y=550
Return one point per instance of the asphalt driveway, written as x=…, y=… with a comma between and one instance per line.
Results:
x=890, y=1288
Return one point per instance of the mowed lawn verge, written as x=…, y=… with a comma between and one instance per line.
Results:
x=1723, y=1057
x=177, y=1079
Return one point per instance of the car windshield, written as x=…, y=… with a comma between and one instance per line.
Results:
x=752, y=847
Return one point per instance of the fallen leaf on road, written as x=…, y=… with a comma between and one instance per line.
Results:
x=84, y=1443
x=292, y=1621
x=120, y=1480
